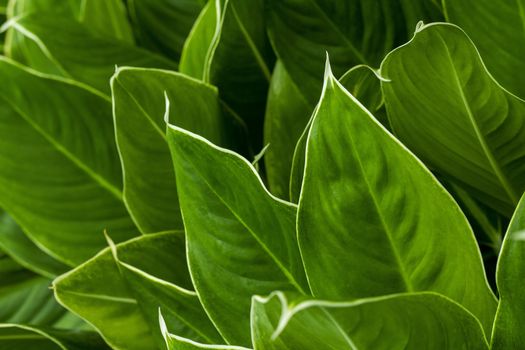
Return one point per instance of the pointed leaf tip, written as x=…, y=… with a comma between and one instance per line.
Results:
x=111, y=245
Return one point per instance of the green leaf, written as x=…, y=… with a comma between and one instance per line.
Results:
x=503, y=49
x=13, y=336
x=15, y=243
x=236, y=57
x=352, y=31
x=404, y=321
x=125, y=292
x=508, y=333
x=175, y=342
x=287, y=113
x=163, y=25
x=61, y=46
x=139, y=107
x=364, y=83
x=372, y=220
x=25, y=297
x=106, y=18
x=443, y=105
x=241, y=239
x=60, y=177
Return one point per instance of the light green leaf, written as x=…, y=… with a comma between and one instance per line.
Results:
x=364, y=84
x=139, y=109
x=236, y=57
x=443, y=105
x=15, y=243
x=195, y=53
x=241, y=240
x=14, y=336
x=508, y=333
x=175, y=342
x=163, y=25
x=404, y=321
x=351, y=31
x=502, y=49
x=106, y=18
x=372, y=220
x=61, y=46
x=287, y=113
x=60, y=177
x=125, y=292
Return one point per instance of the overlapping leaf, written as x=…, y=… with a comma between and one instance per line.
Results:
x=139, y=110
x=228, y=48
x=124, y=289
x=502, y=49
x=15, y=243
x=14, y=336
x=443, y=105
x=406, y=321
x=60, y=176
x=62, y=46
x=163, y=25
x=352, y=32
x=241, y=240
x=372, y=220
x=507, y=333
x=106, y=18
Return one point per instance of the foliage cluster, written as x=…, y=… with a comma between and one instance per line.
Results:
x=262, y=174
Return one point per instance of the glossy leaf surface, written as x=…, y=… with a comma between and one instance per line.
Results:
x=56, y=138
x=503, y=49
x=443, y=105
x=352, y=31
x=127, y=286
x=405, y=321
x=371, y=217
x=139, y=110
x=241, y=240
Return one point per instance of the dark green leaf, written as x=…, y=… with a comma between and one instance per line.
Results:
x=13, y=336
x=351, y=31
x=287, y=113
x=236, y=57
x=15, y=243
x=61, y=46
x=105, y=18
x=163, y=25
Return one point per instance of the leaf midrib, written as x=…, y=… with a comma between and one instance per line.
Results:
x=145, y=114
x=255, y=51
x=117, y=193
x=284, y=270
x=386, y=229
x=348, y=43
x=480, y=137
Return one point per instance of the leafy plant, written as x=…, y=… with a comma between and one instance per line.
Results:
x=181, y=174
